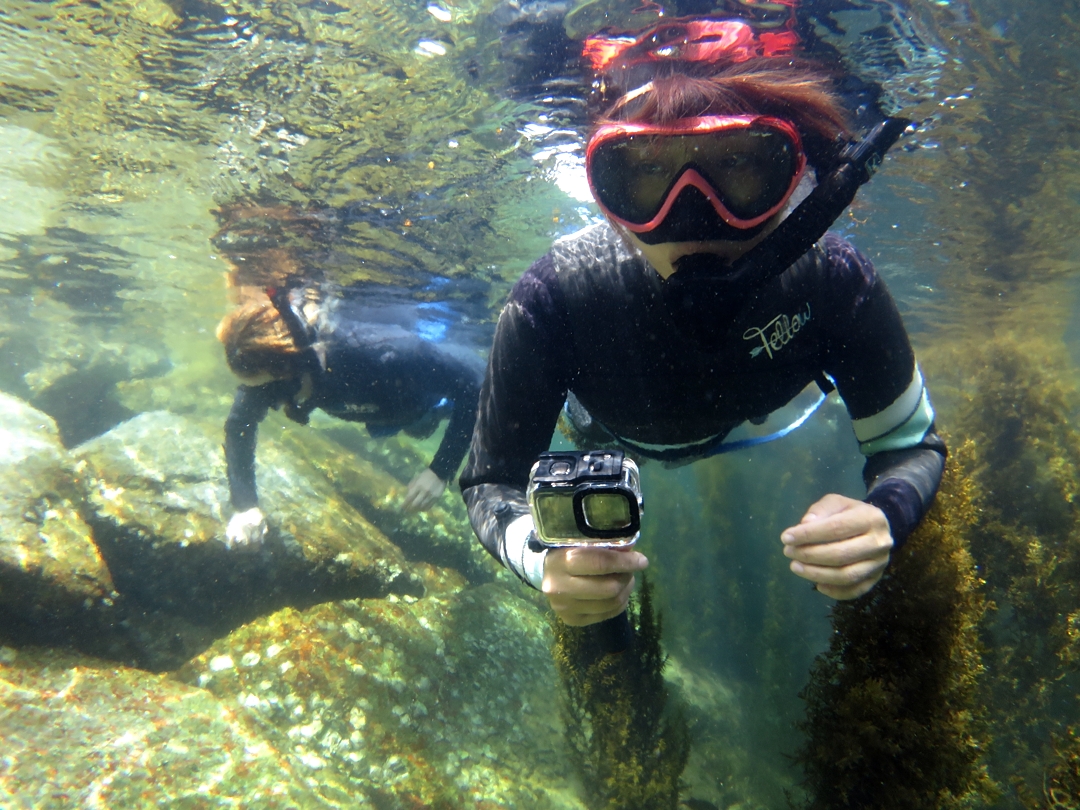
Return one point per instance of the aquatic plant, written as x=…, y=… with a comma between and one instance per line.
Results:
x=1061, y=782
x=629, y=750
x=893, y=719
x=1016, y=407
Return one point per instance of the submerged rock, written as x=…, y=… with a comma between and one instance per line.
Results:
x=158, y=504
x=447, y=701
x=50, y=569
x=356, y=467
x=82, y=733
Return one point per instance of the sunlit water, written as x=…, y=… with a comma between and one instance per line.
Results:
x=148, y=149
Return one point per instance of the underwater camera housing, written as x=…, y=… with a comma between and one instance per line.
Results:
x=585, y=498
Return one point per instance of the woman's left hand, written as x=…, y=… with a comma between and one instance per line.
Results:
x=423, y=491
x=842, y=545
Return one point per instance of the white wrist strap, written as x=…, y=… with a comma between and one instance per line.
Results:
x=522, y=560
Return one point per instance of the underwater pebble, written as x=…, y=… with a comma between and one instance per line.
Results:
x=313, y=761
x=332, y=742
x=221, y=662
x=439, y=13
x=273, y=650
x=250, y=659
x=429, y=47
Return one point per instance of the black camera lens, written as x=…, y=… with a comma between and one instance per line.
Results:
x=606, y=511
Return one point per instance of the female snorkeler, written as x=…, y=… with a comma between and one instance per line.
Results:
x=711, y=295
x=292, y=350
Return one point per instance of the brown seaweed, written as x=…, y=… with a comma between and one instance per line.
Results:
x=629, y=749
x=892, y=714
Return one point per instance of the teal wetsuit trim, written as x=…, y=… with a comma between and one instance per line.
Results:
x=907, y=434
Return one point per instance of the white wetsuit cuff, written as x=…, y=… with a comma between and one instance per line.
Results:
x=523, y=561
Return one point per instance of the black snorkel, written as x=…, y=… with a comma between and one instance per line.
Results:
x=308, y=358
x=280, y=297
x=810, y=220
x=705, y=284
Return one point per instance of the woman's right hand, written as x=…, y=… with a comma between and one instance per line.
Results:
x=589, y=585
x=246, y=529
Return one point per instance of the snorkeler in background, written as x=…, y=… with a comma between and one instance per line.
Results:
x=710, y=295
x=297, y=350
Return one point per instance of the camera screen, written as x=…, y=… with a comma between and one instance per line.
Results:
x=555, y=516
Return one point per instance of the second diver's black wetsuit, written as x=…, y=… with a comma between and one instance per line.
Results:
x=591, y=318
x=377, y=373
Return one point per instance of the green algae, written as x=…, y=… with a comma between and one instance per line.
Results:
x=1061, y=782
x=83, y=733
x=435, y=702
x=629, y=746
x=1016, y=403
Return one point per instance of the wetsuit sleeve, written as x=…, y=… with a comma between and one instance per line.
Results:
x=523, y=391
x=903, y=483
x=241, y=432
x=873, y=365
x=464, y=390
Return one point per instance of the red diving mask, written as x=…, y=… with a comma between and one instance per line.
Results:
x=744, y=167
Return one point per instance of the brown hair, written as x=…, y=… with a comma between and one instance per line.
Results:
x=257, y=339
x=795, y=90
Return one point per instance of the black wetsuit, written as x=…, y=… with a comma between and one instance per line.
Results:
x=377, y=373
x=591, y=318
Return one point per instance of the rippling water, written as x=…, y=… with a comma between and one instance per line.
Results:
x=156, y=155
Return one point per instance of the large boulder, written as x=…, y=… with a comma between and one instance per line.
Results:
x=158, y=505
x=82, y=733
x=369, y=475
x=447, y=701
x=51, y=573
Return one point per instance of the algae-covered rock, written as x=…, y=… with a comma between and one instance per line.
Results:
x=49, y=566
x=158, y=506
x=81, y=733
x=446, y=701
x=160, y=501
x=357, y=468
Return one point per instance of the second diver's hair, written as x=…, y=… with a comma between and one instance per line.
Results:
x=257, y=339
